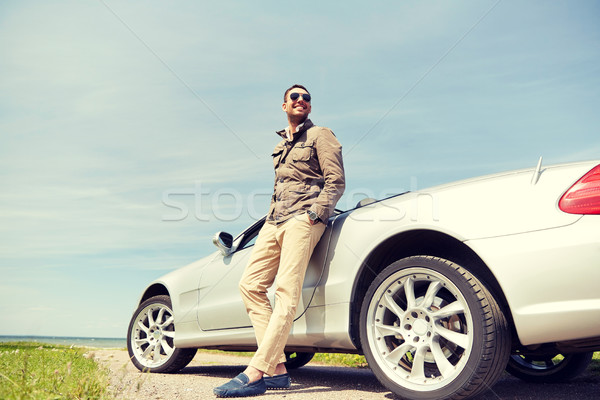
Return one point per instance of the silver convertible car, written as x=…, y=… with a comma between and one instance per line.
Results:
x=441, y=289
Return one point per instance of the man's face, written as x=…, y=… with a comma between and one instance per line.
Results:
x=297, y=110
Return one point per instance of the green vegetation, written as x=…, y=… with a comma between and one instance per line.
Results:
x=595, y=364
x=42, y=371
x=344, y=360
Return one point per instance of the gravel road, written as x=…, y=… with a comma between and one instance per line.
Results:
x=312, y=382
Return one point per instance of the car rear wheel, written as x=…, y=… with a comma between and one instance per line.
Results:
x=548, y=368
x=430, y=330
x=150, y=338
x=297, y=360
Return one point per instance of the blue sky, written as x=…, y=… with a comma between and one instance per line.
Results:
x=130, y=133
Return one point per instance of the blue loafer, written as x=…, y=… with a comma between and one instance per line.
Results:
x=239, y=387
x=275, y=382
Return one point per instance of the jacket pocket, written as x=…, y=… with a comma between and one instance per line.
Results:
x=303, y=151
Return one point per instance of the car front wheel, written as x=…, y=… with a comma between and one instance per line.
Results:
x=430, y=330
x=150, y=338
x=548, y=368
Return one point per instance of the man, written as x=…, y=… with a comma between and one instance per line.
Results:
x=309, y=180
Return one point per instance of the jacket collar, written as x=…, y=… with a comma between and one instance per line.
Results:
x=307, y=124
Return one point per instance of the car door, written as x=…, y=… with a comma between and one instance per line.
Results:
x=220, y=302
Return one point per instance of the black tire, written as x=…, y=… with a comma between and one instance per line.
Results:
x=549, y=368
x=150, y=338
x=430, y=330
x=296, y=360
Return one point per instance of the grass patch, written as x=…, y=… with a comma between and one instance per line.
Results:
x=42, y=371
x=339, y=359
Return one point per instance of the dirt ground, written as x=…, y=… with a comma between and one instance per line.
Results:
x=311, y=382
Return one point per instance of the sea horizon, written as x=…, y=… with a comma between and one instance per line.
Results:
x=97, y=342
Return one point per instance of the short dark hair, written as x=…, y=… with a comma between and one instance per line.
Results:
x=296, y=86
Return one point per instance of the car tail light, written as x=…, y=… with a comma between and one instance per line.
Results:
x=584, y=196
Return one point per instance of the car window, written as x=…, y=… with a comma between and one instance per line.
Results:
x=250, y=242
x=251, y=234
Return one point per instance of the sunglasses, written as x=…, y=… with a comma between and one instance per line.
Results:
x=294, y=96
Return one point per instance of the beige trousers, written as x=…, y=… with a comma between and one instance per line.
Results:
x=281, y=251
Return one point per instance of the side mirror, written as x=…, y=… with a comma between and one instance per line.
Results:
x=224, y=242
